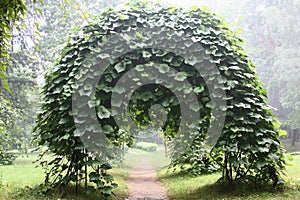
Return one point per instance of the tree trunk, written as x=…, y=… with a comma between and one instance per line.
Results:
x=166, y=149
x=294, y=137
x=123, y=150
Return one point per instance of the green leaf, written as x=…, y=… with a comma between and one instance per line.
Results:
x=94, y=162
x=194, y=8
x=103, y=112
x=234, y=67
x=108, y=129
x=64, y=120
x=162, y=68
x=172, y=9
x=94, y=176
x=119, y=89
x=242, y=105
x=194, y=106
x=116, y=102
x=181, y=76
x=139, y=35
x=120, y=67
x=263, y=149
x=282, y=133
x=139, y=68
x=146, y=54
x=198, y=90
x=107, y=166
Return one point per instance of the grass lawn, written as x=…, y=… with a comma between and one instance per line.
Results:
x=183, y=186
x=21, y=180
x=157, y=159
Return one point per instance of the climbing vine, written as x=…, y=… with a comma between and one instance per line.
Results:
x=247, y=147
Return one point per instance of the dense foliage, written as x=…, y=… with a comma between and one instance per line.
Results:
x=10, y=12
x=146, y=146
x=248, y=148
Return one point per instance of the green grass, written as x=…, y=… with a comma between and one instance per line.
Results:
x=184, y=186
x=157, y=158
x=293, y=169
x=23, y=173
x=120, y=178
x=132, y=158
x=22, y=180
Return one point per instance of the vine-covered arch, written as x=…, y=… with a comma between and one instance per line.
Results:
x=187, y=61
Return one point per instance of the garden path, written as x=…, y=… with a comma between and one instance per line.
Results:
x=143, y=183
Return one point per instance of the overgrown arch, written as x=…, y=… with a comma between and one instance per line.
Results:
x=84, y=95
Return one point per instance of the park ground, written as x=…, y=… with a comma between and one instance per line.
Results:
x=22, y=179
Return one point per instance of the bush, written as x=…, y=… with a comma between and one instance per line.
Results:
x=7, y=158
x=146, y=146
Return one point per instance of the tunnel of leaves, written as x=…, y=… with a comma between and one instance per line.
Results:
x=248, y=148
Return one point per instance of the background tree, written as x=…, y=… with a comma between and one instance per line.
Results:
x=21, y=75
x=271, y=31
x=11, y=13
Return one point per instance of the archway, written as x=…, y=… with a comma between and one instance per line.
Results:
x=114, y=69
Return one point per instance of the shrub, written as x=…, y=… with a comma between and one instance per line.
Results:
x=146, y=146
x=7, y=158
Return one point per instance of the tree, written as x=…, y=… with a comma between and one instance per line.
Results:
x=285, y=69
x=11, y=12
x=24, y=66
x=272, y=35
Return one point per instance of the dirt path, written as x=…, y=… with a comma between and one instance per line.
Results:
x=144, y=184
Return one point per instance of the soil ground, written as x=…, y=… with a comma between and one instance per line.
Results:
x=143, y=183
